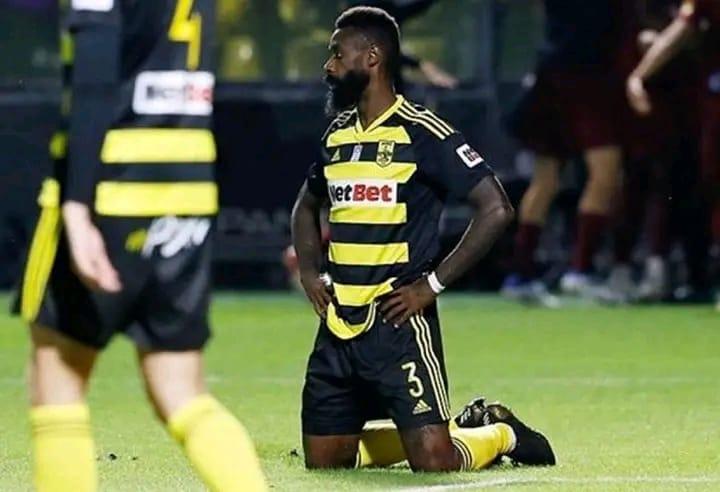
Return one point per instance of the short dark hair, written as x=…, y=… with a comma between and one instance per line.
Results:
x=380, y=27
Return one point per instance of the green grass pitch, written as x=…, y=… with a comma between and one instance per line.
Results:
x=629, y=397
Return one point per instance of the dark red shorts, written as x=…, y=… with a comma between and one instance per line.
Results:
x=565, y=112
x=710, y=140
x=673, y=119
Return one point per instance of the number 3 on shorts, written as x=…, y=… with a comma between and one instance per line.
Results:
x=416, y=389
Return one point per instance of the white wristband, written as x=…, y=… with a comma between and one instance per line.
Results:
x=435, y=284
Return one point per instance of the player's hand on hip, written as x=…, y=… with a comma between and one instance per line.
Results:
x=407, y=301
x=89, y=257
x=638, y=96
x=317, y=290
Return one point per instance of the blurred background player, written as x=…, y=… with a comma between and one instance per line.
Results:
x=660, y=187
x=570, y=110
x=695, y=18
x=123, y=240
x=387, y=165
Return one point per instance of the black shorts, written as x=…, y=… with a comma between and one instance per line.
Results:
x=164, y=267
x=385, y=372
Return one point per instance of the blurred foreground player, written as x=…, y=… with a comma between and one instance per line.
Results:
x=387, y=166
x=123, y=240
x=569, y=111
x=696, y=17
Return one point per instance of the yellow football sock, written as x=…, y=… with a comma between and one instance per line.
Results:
x=63, y=449
x=479, y=446
x=380, y=445
x=218, y=446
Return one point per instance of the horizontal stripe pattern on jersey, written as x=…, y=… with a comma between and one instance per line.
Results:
x=386, y=185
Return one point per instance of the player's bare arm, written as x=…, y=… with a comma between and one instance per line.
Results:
x=93, y=96
x=492, y=214
x=663, y=49
x=308, y=246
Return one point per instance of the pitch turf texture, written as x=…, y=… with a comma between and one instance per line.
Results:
x=630, y=397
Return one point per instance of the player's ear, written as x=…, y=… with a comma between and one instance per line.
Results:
x=373, y=56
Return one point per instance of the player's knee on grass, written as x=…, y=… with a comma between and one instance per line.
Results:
x=429, y=449
x=59, y=368
x=172, y=380
x=328, y=452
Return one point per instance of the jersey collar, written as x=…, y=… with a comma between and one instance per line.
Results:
x=380, y=119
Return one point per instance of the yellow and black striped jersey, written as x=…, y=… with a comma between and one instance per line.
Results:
x=386, y=185
x=138, y=101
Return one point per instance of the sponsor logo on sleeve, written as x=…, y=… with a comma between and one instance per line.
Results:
x=93, y=5
x=174, y=92
x=469, y=156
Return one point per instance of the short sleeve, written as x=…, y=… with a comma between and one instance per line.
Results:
x=453, y=165
x=85, y=13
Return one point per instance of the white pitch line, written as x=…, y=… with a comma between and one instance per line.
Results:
x=504, y=482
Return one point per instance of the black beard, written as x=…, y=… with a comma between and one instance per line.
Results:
x=344, y=93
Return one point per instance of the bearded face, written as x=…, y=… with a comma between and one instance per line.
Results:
x=345, y=92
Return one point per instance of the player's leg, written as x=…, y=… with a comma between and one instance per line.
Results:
x=593, y=112
x=65, y=336
x=171, y=329
x=479, y=436
x=213, y=439
x=655, y=283
x=332, y=451
x=63, y=448
x=433, y=448
x=409, y=368
x=533, y=212
x=604, y=165
x=536, y=122
x=428, y=448
x=334, y=408
x=619, y=286
x=542, y=191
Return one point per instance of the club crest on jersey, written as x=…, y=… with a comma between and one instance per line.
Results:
x=469, y=156
x=386, y=148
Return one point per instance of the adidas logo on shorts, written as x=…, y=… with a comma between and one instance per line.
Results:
x=421, y=407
